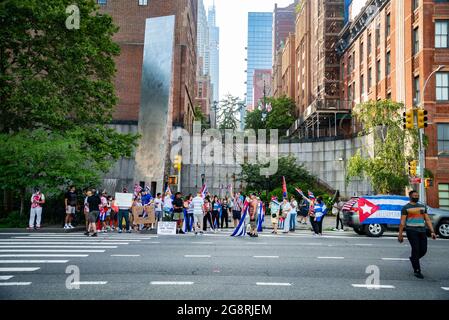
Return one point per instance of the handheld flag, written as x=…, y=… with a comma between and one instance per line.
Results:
x=284, y=188
x=204, y=191
x=240, y=231
x=299, y=191
x=261, y=217
x=311, y=195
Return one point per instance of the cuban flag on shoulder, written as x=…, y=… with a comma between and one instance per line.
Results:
x=261, y=218
x=240, y=231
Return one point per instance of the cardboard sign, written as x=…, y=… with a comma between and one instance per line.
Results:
x=144, y=215
x=124, y=199
x=166, y=228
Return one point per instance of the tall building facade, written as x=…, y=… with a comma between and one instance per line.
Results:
x=213, y=68
x=283, y=24
x=288, y=67
x=202, y=37
x=259, y=49
x=391, y=51
x=261, y=87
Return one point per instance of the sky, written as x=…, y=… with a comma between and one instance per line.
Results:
x=232, y=18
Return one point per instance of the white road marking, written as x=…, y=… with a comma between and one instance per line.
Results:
x=330, y=258
x=373, y=286
x=363, y=244
x=82, y=239
x=125, y=255
x=268, y=257
x=445, y=288
x=19, y=269
x=197, y=256
x=257, y=242
x=60, y=243
x=202, y=242
x=153, y=242
x=395, y=259
x=4, y=278
x=4, y=284
x=284, y=284
x=68, y=247
x=43, y=255
x=34, y=261
x=171, y=283
x=76, y=283
x=49, y=250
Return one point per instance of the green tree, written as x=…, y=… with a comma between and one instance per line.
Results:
x=228, y=112
x=386, y=170
x=255, y=120
x=281, y=115
x=58, y=81
x=199, y=116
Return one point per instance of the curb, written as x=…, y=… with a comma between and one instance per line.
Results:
x=42, y=230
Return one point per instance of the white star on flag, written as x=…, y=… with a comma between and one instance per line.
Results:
x=366, y=208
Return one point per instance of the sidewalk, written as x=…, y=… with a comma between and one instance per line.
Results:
x=329, y=223
x=44, y=229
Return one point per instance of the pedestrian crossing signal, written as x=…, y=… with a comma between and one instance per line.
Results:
x=422, y=118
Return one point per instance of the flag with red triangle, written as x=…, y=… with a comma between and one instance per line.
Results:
x=366, y=209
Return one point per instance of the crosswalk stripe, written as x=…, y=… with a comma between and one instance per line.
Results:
x=197, y=256
x=4, y=278
x=5, y=284
x=50, y=250
x=88, y=283
x=43, y=255
x=68, y=247
x=125, y=255
x=176, y=283
x=330, y=258
x=285, y=284
x=373, y=286
x=19, y=269
x=445, y=288
x=395, y=259
x=268, y=257
x=33, y=261
x=81, y=239
x=60, y=243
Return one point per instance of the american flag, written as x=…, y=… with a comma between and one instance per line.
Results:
x=348, y=205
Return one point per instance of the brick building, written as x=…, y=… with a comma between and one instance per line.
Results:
x=203, y=90
x=283, y=24
x=389, y=51
x=288, y=67
x=261, y=86
x=130, y=16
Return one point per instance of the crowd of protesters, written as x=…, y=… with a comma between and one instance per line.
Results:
x=192, y=213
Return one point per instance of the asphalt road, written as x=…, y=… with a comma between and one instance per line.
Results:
x=217, y=266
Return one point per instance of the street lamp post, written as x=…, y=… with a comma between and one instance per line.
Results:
x=422, y=158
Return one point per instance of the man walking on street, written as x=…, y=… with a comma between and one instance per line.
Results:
x=414, y=219
x=94, y=202
x=37, y=199
x=70, y=207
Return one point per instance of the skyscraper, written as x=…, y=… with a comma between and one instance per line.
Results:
x=260, y=48
x=213, y=59
x=202, y=36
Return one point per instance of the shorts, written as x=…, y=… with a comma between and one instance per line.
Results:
x=236, y=215
x=197, y=218
x=178, y=216
x=158, y=215
x=253, y=223
x=70, y=210
x=93, y=216
x=303, y=213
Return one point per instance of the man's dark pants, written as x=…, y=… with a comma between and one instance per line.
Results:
x=418, y=242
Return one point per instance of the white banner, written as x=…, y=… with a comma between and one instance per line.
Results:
x=124, y=199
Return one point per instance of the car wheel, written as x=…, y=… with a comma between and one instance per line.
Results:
x=374, y=230
x=359, y=231
x=443, y=229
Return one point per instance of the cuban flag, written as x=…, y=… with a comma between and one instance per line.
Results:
x=185, y=223
x=240, y=231
x=284, y=188
x=299, y=191
x=137, y=189
x=381, y=209
x=204, y=191
x=261, y=217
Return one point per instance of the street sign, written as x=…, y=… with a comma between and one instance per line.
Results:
x=415, y=180
x=166, y=228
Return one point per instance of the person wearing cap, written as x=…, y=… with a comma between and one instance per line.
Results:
x=274, y=209
x=37, y=199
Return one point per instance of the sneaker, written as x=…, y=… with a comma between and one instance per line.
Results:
x=86, y=233
x=66, y=227
x=30, y=228
x=119, y=231
x=419, y=275
x=181, y=232
x=255, y=235
x=196, y=233
x=341, y=230
x=70, y=226
x=334, y=229
x=94, y=235
x=129, y=231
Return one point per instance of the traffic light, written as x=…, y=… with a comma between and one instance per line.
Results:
x=408, y=119
x=422, y=118
x=428, y=183
x=412, y=168
x=178, y=162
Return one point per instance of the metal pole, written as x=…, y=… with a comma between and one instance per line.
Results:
x=422, y=158
x=179, y=180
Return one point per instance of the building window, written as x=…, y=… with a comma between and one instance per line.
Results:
x=350, y=96
x=102, y=2
x=415, y=4
x=416, y=92
x=443, y=195
x=370, y=47
x=370, y=79
x=388, y=64
x=388, y=28
x=377, y=35
x=415, y=41
x=442, y=34
x=443, y=139
x=361, y=52
x=442, y=86
x=362, y=85
x=143, y=2
x=379, y=71
x=350, y=64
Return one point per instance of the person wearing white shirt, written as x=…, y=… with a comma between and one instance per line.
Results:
x=293, y=213
x=286, y=208
x=158, y=207
x=197, y=204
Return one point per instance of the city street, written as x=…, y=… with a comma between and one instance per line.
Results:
x=217, y=266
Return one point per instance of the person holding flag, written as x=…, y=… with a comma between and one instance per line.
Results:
x=252, y=211
x=237, y=209
x=240, y=230
x=286, y=208
x=275, y=207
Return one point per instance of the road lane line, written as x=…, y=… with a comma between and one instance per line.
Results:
x=60, y=243
x=68, y=247
x=338, y=258
x=49, y=250
x=284, y=284
x=4, y=278
x=395, y=259
x=82, y=239
x=171, y=283
x=125, y=255
x=445, y=288
x=77, y=283
x=43, y=255
x=363, y=244
x=19, y=269
x=4, y=284
x=268, y=257
x=34, y=261
x=197, y=256
x=373, y=286
x=202, y=242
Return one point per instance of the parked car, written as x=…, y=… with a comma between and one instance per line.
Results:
x=387, y=216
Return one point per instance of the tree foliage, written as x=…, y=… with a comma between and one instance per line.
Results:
x=255, y=120
x=228, y=112
x=201, y=117
x=392, y=148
